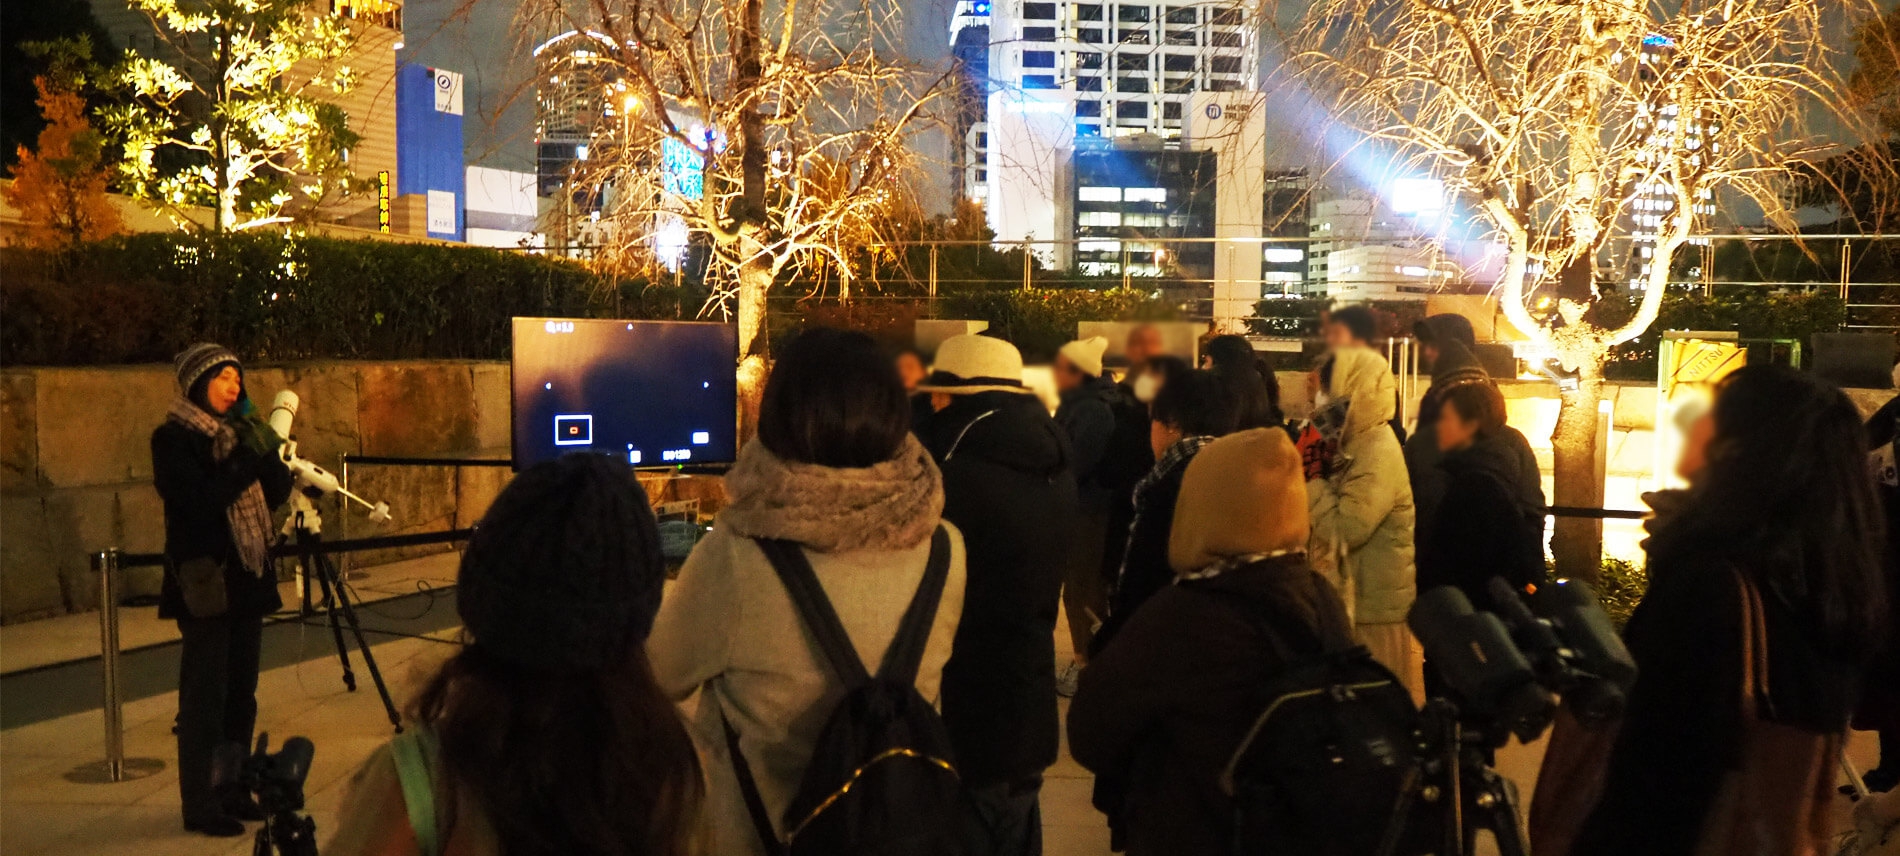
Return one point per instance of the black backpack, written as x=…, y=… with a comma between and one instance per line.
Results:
x=1322, y=768
x=881, y=781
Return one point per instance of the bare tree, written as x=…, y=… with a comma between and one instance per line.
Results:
x=1593, y=137
x=796, y=120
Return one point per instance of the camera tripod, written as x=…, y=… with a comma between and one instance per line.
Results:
x=306, y=527
x=1455, y=775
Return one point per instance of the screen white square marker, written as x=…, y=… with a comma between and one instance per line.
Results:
x=701, y=438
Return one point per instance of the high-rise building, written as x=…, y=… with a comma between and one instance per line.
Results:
x=576, y=95
x=1066, y=71
x=1653, y=202
x=970, y=51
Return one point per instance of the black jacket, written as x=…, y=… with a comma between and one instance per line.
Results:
x=196, y=490
x=1456, y=366
x=1683, y=730
x=1484, y=527
x=1008, y=487
x=1145, y=569
x=1087, y=418
x=1163, y=708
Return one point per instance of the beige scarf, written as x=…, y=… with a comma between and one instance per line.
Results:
x=893, y=505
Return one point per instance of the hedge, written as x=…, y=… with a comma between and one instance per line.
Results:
x=1754, y=312
x=1040, y=320
x=281, y=296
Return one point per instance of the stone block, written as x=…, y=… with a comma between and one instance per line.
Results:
x=325, y=427
x=416, y=409
x=95, y=425
x=141, y=530
x=421, y=499
x=494, y=408
x=476, y=489
x=80, y=522
x=1635, y=406
x=19, y=435
x=29, y=575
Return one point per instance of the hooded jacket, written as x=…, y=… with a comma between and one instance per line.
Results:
x=1456, y=365
x=1362, y=513
x=728, y=631
x=1161, y=710
x=1485, y=528
x=1007, y=485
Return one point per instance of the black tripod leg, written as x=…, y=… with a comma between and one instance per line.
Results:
x=313, y=569
x=1494, y=807
x=362, y=645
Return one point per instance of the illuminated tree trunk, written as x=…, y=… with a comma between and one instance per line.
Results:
x=1577, y=542
x=755, y=281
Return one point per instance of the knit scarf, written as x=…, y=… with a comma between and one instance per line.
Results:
x=249, y=514
x=892, y=505
x=1231, y=562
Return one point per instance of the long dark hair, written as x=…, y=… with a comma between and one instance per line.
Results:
x=1248, y=378
x=1788, y=497
x=552, y=720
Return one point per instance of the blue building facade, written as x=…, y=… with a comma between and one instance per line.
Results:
x=429, y=159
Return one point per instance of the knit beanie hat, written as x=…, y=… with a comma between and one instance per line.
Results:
x=564, y=571
x=200, y=361
x=1086, y=354
x=1242, y=494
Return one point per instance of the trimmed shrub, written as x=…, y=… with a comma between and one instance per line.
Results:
x=1040, y=321
x=281, y=296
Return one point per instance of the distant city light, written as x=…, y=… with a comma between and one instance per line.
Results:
x=1417, y=195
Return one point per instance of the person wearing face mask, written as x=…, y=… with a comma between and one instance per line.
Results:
x=1361, y=509
x=1128, y=457
x=217, y=471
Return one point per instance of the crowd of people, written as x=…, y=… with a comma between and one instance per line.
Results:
x=942, y=518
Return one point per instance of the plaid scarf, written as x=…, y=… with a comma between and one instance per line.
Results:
x=1178, y=454
x=249, y=514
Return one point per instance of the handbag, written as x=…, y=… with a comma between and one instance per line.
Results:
x=1778, y=800
x=1570, y=782
x=201, y=583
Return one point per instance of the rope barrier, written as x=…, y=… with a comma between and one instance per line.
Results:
x=387, y=460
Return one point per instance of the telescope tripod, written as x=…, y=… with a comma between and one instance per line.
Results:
x=306, y=526
x=1456, y=776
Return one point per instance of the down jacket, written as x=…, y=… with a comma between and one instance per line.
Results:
x=1362, y=512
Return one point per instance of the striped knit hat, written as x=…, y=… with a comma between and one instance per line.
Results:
x=196, y=362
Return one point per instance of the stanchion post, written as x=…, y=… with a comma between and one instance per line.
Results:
x=106, y=562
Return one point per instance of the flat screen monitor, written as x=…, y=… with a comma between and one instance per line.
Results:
x=652, y=393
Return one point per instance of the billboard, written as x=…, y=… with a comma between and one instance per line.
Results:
x=429, y=161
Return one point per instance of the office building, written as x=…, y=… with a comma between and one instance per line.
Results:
x=1652, y=199
x=970, y=89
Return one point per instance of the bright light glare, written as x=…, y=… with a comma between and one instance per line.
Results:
x=1284, y=255
x=1417, y=195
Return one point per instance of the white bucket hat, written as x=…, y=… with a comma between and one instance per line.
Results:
x=970, y=363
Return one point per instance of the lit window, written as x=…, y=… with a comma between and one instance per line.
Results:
x=1098, y=194
x=1105, y=219
x=1145, y=194
x=1284, y=255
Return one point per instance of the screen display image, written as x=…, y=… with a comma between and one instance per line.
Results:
x=653, y=393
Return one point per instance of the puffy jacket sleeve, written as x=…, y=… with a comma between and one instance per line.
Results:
x=1350, y=507
x=691, y=640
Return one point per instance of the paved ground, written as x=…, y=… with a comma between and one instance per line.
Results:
x=42, y=812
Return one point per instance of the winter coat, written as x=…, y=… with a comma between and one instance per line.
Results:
x=1087, y=418
x=1144, y=569
x=1683, y=729
x=1008, y=487
x=195, y=489
x=1484, y=528
x=1164, y=708
x=1457, y=366
x=1880, y=705
x=1363, y=509
x=728, y=631
x=1130, y=457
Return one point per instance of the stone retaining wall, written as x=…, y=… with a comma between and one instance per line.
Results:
x=76, y=469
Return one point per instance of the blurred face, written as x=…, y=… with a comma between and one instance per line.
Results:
x=1428, y=354
x=911, y=370
x=223, y=390
x=1339, y=336
x=1454, y=431
x=1067, y=375
x=1695, y=447
x=1144, y=343
x=1160, y=437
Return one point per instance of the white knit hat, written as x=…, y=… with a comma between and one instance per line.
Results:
x=1086, y=354
x=970, y=363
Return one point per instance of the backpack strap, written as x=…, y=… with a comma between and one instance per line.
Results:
x=788, y=559
x=905, y=655
x=414, y=752
x=749, y=791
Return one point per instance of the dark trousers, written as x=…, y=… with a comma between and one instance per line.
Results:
x=217, y=703
x=1003, y=819
x=1084, y=591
